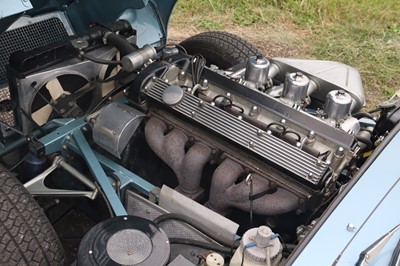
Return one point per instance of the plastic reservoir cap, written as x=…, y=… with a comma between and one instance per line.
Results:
x=215, y=259
x=263, y=236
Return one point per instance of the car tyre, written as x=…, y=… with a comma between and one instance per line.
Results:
x=220, y=48
x=27, y=236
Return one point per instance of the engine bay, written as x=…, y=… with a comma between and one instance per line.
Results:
x=231, y=158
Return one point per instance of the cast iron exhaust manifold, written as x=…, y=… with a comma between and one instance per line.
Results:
x=225, y=192
x=187, y=165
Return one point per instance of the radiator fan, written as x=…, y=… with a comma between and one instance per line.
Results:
x=63, y=96
x=68, y=89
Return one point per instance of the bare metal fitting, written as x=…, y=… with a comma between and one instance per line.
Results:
x=138, y=58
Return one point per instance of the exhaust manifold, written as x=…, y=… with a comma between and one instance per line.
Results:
x=225, y=192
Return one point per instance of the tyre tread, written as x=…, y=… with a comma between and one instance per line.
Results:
x=28, y=237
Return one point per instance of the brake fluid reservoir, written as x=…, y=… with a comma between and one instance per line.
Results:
x=262, y=248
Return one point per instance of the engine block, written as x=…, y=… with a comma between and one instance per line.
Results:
x=307, y=147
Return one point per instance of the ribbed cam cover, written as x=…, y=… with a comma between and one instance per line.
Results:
x=297, y=163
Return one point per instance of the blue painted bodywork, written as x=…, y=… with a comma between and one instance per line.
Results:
x=149, y=17
x=370, y=203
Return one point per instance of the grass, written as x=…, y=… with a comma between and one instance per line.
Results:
x=362, y=33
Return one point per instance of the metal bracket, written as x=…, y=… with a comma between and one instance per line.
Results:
x=154, y=194
x=37, y=187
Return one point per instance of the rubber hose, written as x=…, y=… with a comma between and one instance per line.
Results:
x=120, y=43
x=366, y=141
x=196, y=224
x=363, y=114
x=200, y=244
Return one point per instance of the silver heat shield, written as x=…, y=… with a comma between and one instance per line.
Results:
x=114, y=127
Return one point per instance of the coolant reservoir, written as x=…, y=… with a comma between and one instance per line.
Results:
x=262, y=248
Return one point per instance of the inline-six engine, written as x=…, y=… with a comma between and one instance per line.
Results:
x=279, y=131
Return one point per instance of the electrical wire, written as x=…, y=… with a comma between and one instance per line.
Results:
x=277, y=125
x=104, y=198
x=31, y=119
x=101, y=61
x=222, y=96
x=194, y=223
x=198, y=62
x=107, y=96
x=200, y=244
x=121, y=74
x=232, y=105
x=4, y=124
x=251, y=244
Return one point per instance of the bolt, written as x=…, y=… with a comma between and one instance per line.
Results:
x=311, y=135
x=298, y=144
x=193, y=114
x=90, y=252
x=205, y=83
x=254, y=111
x=251, y=144
x=240, y=117
x=62, y=111
x=182, y=75
x=351, y=227
x=125, y=218
x=70, y=104
x=259, y=132
x=201, y=103
x=283, y=121
x=339, y=152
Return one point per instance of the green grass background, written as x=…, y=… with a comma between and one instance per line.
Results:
x=362, y=33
